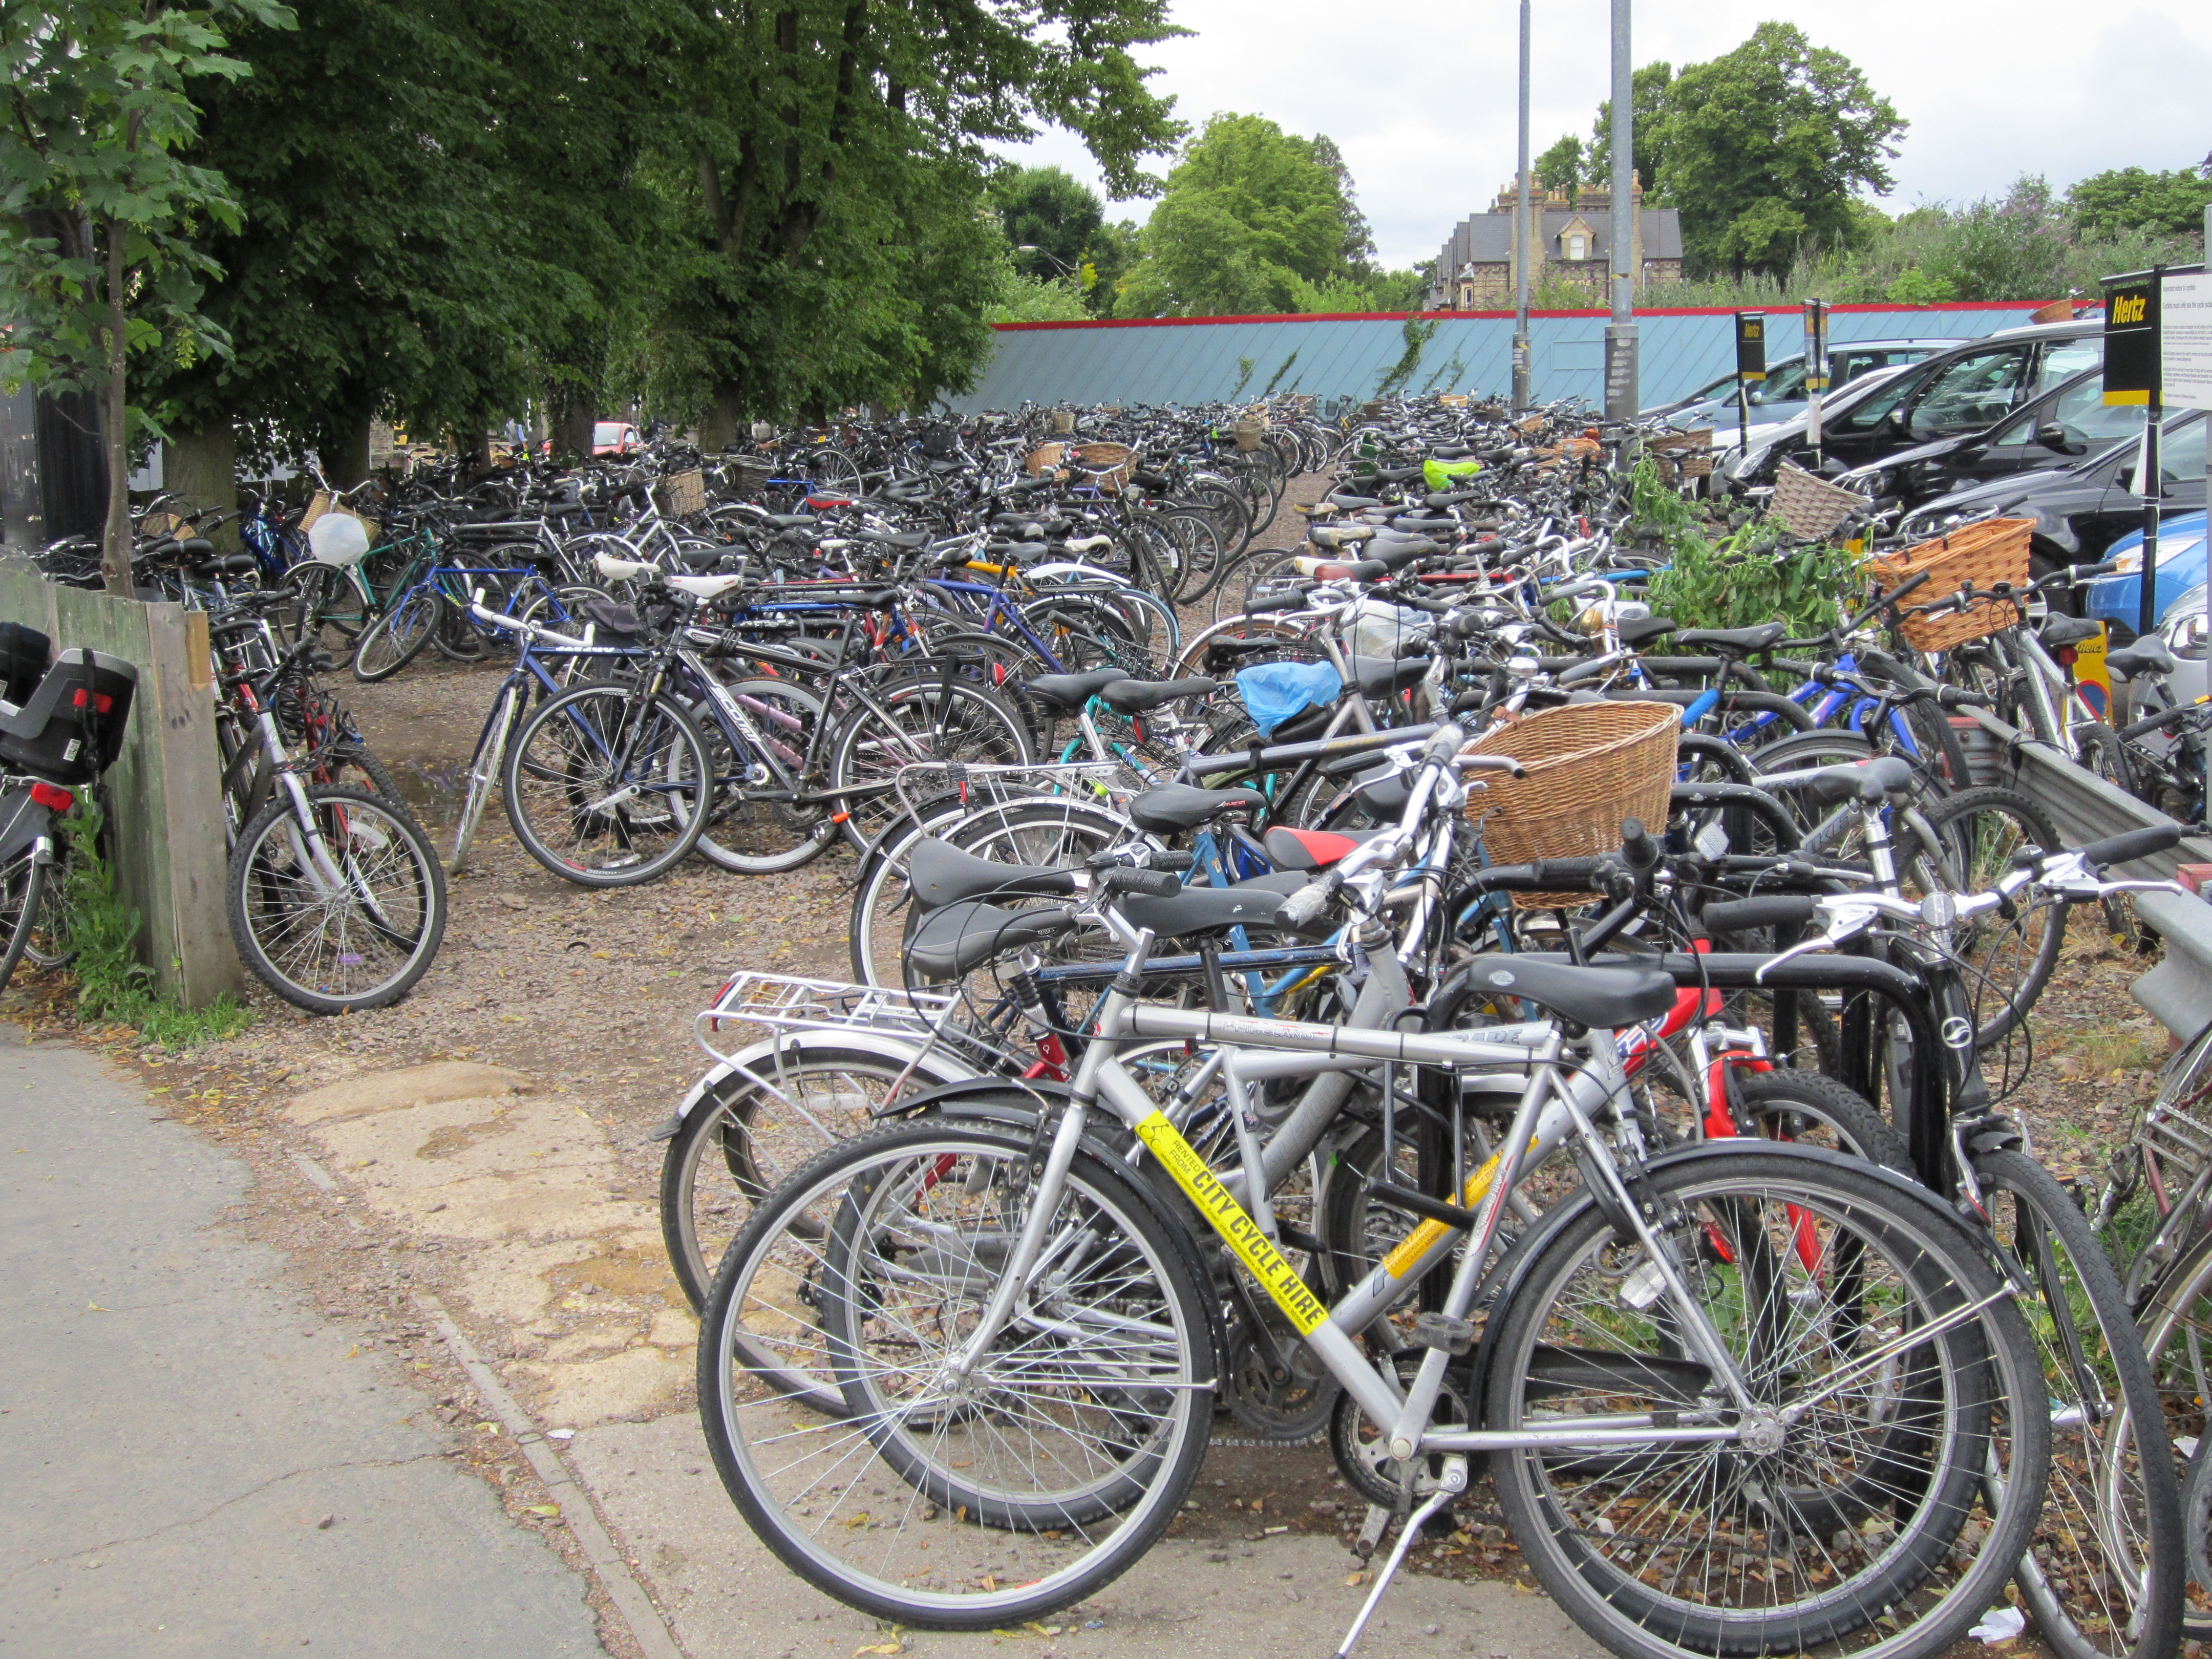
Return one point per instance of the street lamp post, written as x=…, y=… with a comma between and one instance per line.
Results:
x=1059, y=263
x=1522, y=238
x=1620, y=395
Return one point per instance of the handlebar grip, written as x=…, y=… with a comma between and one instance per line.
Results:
x=1444, y=744
x=1150, y=884
x=1304, y=908
x=2134, y=844
x=1745, y=916
x=1639, y=850
x=1274, y=602
x=1954, y=696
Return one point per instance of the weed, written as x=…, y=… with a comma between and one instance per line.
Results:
x=112, y=986
x=2122, y=1049
x=1742, y=579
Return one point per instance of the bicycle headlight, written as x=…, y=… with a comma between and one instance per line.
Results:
x=1939, y=910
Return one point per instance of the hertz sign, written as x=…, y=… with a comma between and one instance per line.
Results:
x=2131, y=350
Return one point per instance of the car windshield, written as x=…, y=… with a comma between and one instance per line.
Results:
x=1971, y=393
x=608, y=432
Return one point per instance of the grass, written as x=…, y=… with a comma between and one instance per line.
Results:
x=99, y=929
x=2106, y=1051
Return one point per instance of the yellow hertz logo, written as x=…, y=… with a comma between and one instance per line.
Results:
x=2129, y=308
x=1243, y=1235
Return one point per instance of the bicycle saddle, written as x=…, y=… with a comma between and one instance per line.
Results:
x=1307, y=850
x=1602, y=999
x=946, y=943
x=1171, y=806
x=2149, y=654
x=1396, y=474
x=1128, y=696
x=1637, y=630
x=1868, y=780
x=1747, y=641
x=1074, y=690
x=703, y=559
x=1377, y=679
x=704, y=587
x=1202, y=909
x=1354, y=502
x=222, y=564
x=1338, y=536
x=2065, y=631
x=941, y=874
x=789, y=521
x=913, y=539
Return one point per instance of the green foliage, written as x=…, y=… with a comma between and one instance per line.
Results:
x=2133, y=198
x=1741, y=579
x=1113, y=254
x=1648, y=98
x=1560, y=167
x=1022, y=298
x=1418, y=335
x=99, y=930
x=1047, y=209
x=1763, y=149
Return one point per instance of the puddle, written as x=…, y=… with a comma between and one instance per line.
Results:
x=433, y=790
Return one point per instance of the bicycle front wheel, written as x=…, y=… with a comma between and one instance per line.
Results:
x=2007, y=960
x=397, y=638
x=956, y=1500
x=933, y=722
x=339, y=909
x=605, y=787
x=1853, y=1504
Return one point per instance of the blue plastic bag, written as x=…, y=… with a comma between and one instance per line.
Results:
x=1274, y=691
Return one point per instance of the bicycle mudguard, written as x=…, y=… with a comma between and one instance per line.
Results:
x=22, y=822
x=940, y=1067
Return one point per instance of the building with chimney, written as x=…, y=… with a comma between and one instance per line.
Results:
x=1570, y=242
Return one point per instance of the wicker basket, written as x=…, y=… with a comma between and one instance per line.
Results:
x=1045, y=457
x=1248, y=431
x=1992, y=551
x=748, y=475
x=322, y=503
x=1810, y=506
x=1590, y=765
x=1063, y=420
x=680, y=494
x=1107, y=465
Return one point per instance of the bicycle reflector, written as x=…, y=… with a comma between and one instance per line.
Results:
x=100, y=702
x=52, y=797
x=2065, y=654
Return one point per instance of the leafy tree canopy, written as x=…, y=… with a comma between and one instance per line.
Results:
x=1648, y=102
x=1560, y=167
x=1047, y=209
x=2133, y=198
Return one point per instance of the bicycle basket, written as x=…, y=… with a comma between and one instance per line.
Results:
x=1589, y=766
x=680, y=494
x=1107, y=465
x=322, y=505
x=1992, y=551
x=1810, y=506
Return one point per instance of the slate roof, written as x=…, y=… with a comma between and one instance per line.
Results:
x=1486, y=239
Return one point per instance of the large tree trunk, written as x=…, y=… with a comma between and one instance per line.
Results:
x=720, y=429
x=574, y=412
x=115, y=537
x=201, y=469
x=345, y=456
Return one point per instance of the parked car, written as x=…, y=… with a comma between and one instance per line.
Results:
x=1956, y=394
x=614, y=437
x=2060, y=427
x=2180, y=570
x=2082, y=510
x=1781, y=396
x=1764, y=435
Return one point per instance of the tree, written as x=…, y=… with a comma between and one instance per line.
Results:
x=1358, y=234
x=1252, y=221
x=1560, y=167
x=1113, y=254
x=2131, y=199
x=1763, y=149
x=98, y=209
x=1648, y=88
x=1047, y=209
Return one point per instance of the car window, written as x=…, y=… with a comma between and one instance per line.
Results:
x=2181, y=454
x=1870, y=414
x=1971, y=393
x=1845, y=366
x=1784, y=384
x=2089, y=419
x=2065, y=359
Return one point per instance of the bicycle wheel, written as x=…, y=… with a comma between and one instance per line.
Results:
x=928, y=720
x=1854, y=1504
x=952, y=1502
x=756, y=1127
x=2099, y=748
x=22, y=907
x=347, y=917
x=352, y=765
x=605, y=787
x=485, y=768
x=2104, y=1574
x=326, y=597
x=755, y=827
x=1804, y=1109
x=2008, y=960
x=397, y=638
x=2175, y=1324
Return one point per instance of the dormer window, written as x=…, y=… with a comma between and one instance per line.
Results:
x=1578, y=247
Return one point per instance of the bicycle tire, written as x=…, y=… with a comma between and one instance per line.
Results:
x=1979, y=831
x=23, y=904
x=2174, y=1320
x=484, y=771
x=2108, y=1559
x=742, y=833
x=398, y=637
x=1153, y=1396
x=282, y=918
x=931, y=719
x=1746, y=1205
x=585, y=738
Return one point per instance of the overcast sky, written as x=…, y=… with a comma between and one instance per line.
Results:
x=1420, y=97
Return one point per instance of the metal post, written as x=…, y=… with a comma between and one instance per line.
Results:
x=1521, y=237
x=2148, y=484
x=1816, y=372
x=1620, y=344
x=2207, y=498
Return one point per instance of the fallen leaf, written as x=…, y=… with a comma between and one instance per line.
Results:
x=93, y=1307
x=545, y=1508
x=880, y=1647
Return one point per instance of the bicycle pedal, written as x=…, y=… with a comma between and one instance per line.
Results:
x=1436, y=1330
x=1371, y=1531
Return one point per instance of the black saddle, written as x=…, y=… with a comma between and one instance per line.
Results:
x=1172, y=807
x=2147, y=655
x=789, y=521
x=1353, y=502
x=911, y=539
x=704, y=558
x=1396, y=474
x=1602, y=999
x=1205, y=909
x=1637, y=630
x=1377, y=679
x=1130, y=696
x=222, y=564
x=1742, y=642
x=941, y=874
x=2058, y=630
x=1868, y=781
x=1074, y=690
x=945, y=943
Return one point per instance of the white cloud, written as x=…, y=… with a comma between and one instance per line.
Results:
x=1421, y=99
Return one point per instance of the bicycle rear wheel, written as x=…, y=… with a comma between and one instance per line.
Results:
x=22, y=907
x=945, y=1501
x=929, y=721
x=605, y=787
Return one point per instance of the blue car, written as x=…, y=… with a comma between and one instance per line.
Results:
x=2180, y=568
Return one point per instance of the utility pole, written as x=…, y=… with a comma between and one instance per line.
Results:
x=1620, y=397
x=1522, y=238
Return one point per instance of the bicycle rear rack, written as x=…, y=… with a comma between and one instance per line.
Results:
x=786, y=1002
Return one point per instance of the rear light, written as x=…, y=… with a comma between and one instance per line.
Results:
x=100, y=702
x=2065, y=655
x=52, y=797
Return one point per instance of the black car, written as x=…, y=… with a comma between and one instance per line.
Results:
x=1959, y=394
x=2080, y=510
x=2056, y=429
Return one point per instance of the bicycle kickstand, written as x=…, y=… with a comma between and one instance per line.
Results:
x=1451, y=1484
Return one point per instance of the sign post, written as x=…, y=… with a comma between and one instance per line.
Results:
x=1750, y=366
x=1620, y=343
x=2186, y=373
x=1816, y=371
x=2132, y=362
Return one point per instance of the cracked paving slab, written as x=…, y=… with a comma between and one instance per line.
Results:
x=195, y=1460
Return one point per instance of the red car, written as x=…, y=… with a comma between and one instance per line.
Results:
x=614, y=437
